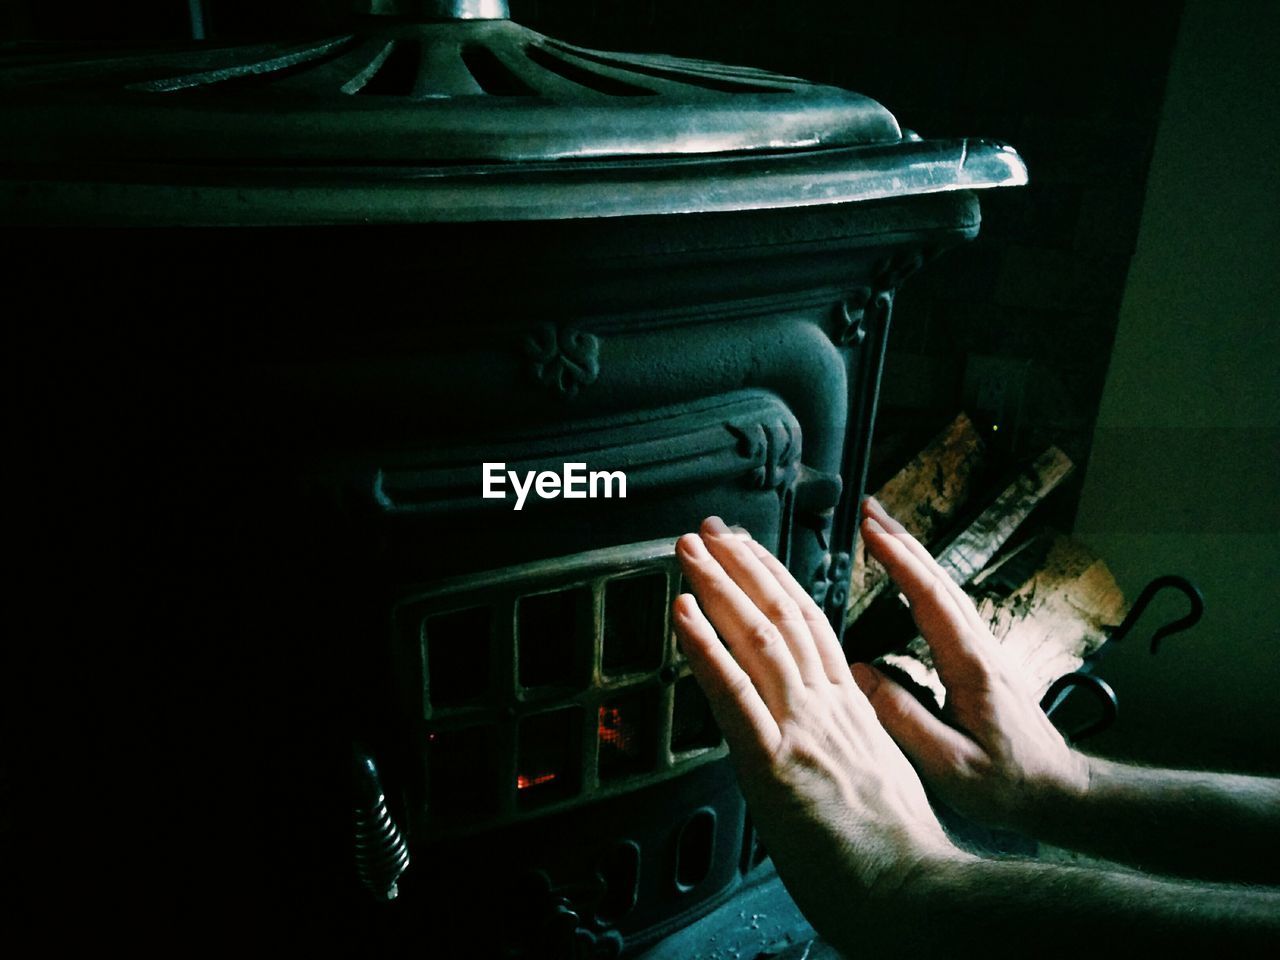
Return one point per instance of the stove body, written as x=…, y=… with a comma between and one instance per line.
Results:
x=290, y=404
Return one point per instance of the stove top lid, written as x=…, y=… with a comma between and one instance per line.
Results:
x=441, y=88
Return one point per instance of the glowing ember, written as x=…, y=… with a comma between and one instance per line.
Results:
x=524, y=782
x=626, y=732
x=613, y=729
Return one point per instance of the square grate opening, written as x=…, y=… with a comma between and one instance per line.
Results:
x=627, y=728
x=549, y=684
x=458, y=667
x=634, y=618
x=692, y=725
x=554, y=637
x=548, y=758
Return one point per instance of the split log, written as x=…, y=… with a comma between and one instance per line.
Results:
x=981, y=540
x=923, y=496
x=1047, y=624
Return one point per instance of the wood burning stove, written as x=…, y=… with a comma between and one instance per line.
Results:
x=442, y=241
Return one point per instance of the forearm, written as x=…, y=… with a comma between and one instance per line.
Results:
x=1204, y=825
x=971, y=907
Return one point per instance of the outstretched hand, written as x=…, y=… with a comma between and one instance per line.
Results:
x=997, y=758
x=844, y=814
x=835, y=801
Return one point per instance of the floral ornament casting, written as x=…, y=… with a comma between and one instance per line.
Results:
x=566, y=360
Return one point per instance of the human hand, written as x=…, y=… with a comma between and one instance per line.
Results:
x=997, y=758
x=835, y=801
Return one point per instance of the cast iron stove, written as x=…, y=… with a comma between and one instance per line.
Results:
x=336, y=277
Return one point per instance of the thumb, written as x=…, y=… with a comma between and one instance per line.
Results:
x=937, y=750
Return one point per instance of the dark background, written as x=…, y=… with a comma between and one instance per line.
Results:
x=1149, y=226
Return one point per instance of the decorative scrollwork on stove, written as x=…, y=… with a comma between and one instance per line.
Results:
x=830, y=585
x=851, y=317
x=859, y=311
x=893, y=270
x=862, y=306
x=859, y=325
x=774, y=447
x=564, y=359
x=747, y=438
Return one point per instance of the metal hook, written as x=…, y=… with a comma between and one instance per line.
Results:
x=1101, y=691
x=1180, y=584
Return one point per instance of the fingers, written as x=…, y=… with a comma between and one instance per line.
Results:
x=828, y=647
x=748, y=727
x=767, y=590
x=872, y=508
x=941, y=622
x=937, y=750
x=756, y=643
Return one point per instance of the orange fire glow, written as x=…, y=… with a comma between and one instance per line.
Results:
x=524, y=782
x=611, y=729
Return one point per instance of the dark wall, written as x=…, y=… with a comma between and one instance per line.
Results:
x=1185, y=473
x=85, y=22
